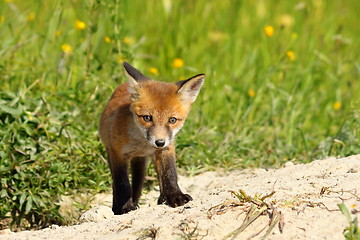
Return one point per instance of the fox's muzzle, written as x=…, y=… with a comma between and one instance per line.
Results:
x=160, y=142
x=159, y=137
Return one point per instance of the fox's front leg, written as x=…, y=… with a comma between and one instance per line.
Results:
x=122, y=192
x=170, y=192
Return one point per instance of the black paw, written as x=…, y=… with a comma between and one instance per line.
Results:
x=175, y=199
x=127, y=207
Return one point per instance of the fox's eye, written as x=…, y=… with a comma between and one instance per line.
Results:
x=147, y=118
x=172, y=120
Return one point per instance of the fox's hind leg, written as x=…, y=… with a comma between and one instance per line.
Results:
x=122, y=192
x=138, y=167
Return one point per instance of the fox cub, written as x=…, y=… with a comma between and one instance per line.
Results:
x=141, y=120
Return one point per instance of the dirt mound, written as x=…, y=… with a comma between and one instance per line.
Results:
x=293, y=202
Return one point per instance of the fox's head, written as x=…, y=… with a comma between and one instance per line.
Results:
x=160, y=108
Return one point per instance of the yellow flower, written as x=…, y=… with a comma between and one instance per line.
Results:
x=107, y=39
x=291, y=55
x=120, y=59
x=154, y=71
x=285, y=20
x=178, y=63
x=251, y=93
x=337, y=105
x=31, y=17
x=269, y=30
x=66, y=48
x=353, y=206
x=57, y=33
x=80, y=25
x=294, y=35
x=129, y=40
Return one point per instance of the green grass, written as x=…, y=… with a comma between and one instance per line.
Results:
x=352, y=232
x=51, y=101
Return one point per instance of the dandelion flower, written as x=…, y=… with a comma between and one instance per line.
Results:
x=129, y=40
x=251, y=93
x=80, y=25
x=31, y=17
x=66, y=48
x=291, y=55
x=337, y=105
x=120, y=59
x=154, y=71
x=269, y=30
x=107, y=39
x=178, y=63
x=285, y=20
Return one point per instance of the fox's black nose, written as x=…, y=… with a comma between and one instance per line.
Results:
x=160, y=142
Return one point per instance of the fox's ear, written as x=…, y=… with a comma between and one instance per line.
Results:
x=190, y=88
x=134, y=76
x=133, y=73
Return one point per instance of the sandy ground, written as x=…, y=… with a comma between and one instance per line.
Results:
x=306, y=195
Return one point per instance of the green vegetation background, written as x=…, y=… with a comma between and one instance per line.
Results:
x=282, y=84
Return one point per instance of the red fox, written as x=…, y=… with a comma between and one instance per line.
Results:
x=141, y=120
